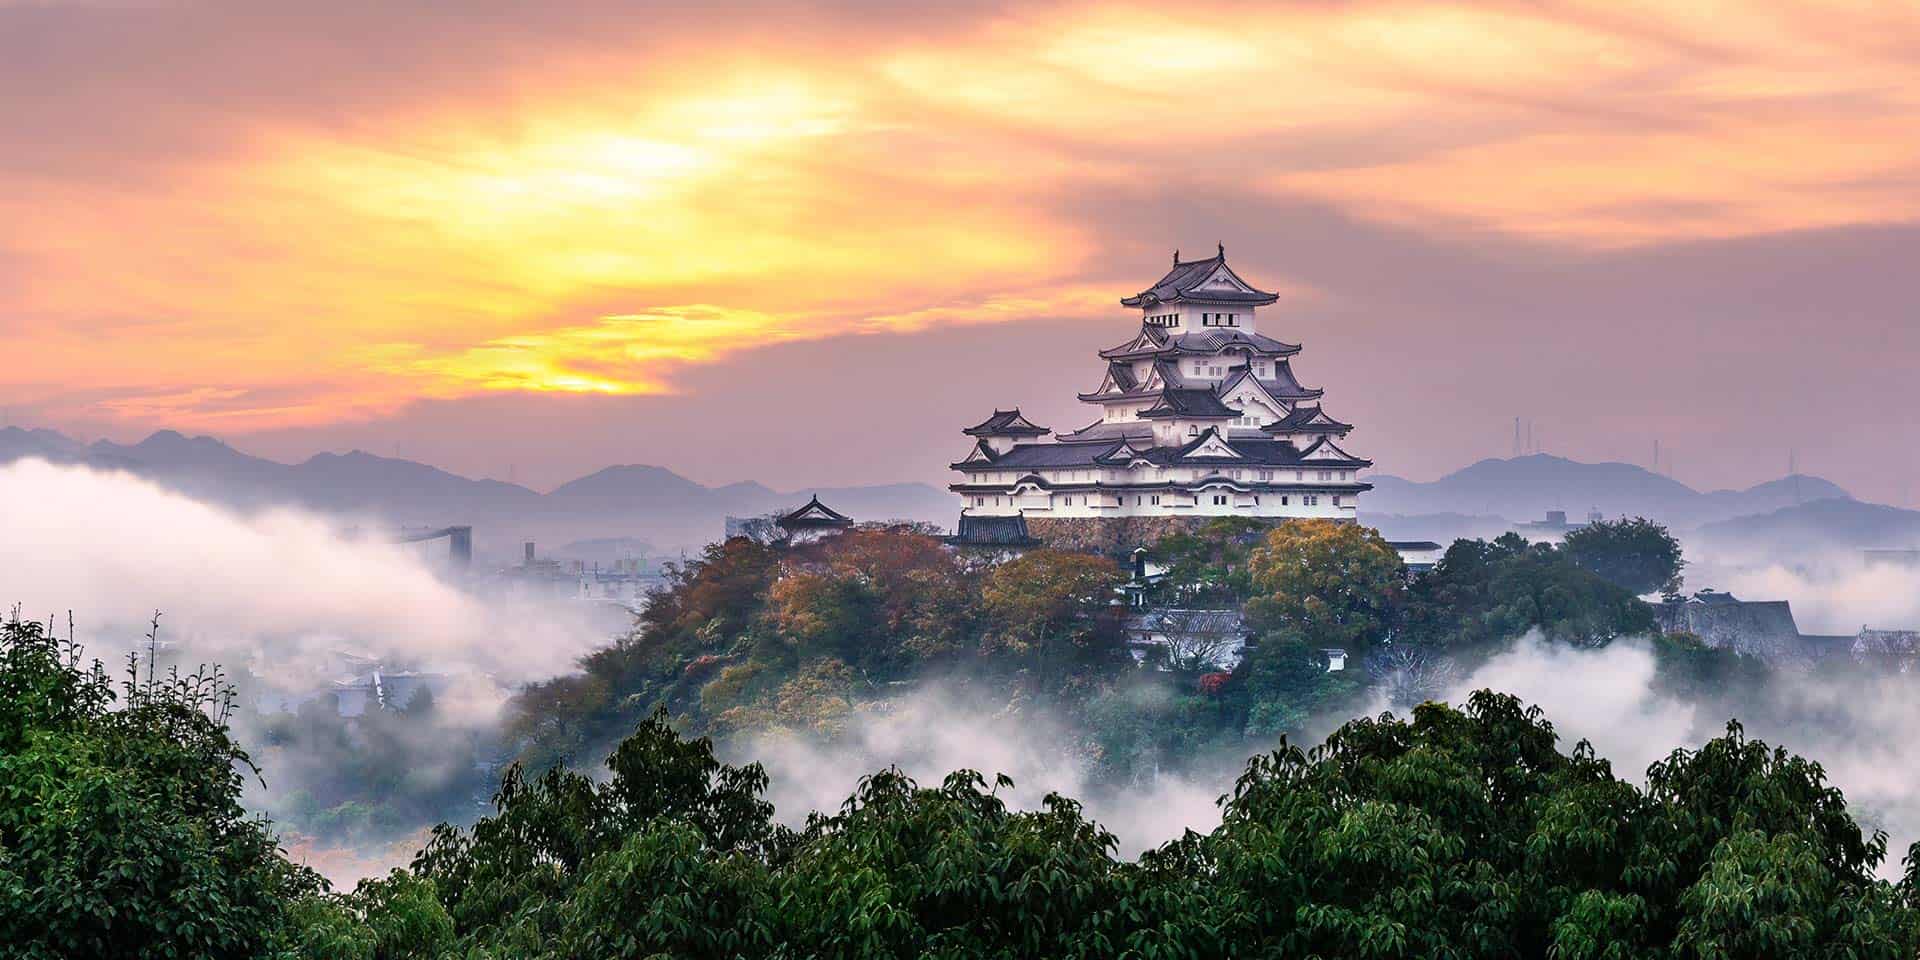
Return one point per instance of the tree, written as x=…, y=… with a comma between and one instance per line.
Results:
x=1208, y=565
x=1410, y=674
x=1485, y=593
x=1636, y=554
x=121, y=830
x=1045, y=609
x=1327, y=583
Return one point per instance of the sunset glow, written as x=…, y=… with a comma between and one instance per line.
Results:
x=280, y=234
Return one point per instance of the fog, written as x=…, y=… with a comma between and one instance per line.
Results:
x=276, y=598
x=934, y=731
x=1832, y=593
x=275, y=592
x=1856, y=726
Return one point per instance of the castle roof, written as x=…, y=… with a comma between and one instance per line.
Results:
x=1006, y=423
x=1252, y=451
x=1152, y=341
x=813, y=515
x=1307, y=419
x=1200, y=281
x=993, y=532
x=1189, y=403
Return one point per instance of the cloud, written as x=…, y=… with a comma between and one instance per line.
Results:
x=387, y=203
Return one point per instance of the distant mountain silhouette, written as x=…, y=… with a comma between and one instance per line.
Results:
x=1830, y=524
x=653, y=504
x=1525, y=488
x=632, y=502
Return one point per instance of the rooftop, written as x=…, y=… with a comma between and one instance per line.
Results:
x=1200, y=281
x=815, y=514
x=1006, y=423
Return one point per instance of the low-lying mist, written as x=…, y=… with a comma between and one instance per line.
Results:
x=277, y=597
x=275, y=592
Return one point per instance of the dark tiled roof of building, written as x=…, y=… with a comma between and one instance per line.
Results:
x=1030, y=455
x=1213, y=341
x=1303, y=420
x=1253, y=451
x=1108, y=430
x=1283, y=385
x=815, y=514
x=993, y=532
x=1189, y=403
x=1182, y=283
x=1152, y=342
x=1148, y=341
x=1006, y=423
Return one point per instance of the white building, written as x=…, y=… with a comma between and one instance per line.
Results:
x=1199, y=415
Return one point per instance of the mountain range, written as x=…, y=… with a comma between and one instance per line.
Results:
x=1525, y=488
x=650, y=503
x=615, y=508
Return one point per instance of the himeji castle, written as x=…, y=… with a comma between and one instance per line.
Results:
x=1198, y=415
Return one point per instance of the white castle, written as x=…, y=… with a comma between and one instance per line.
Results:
x=1200, y=416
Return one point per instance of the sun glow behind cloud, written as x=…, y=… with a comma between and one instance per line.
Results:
x=603, y=211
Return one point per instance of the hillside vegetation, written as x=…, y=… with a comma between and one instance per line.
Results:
x=752, y=636
x=1463, y=833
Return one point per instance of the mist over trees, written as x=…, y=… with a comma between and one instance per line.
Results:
x=1473, y=830
x=1461, y=832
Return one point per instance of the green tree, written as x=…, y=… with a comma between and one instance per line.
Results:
x=1485, y=593
x=121, y=830
x=1326, y=583
x=1636, y=554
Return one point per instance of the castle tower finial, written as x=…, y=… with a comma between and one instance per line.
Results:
x=1176, y=256
x=1223, y=251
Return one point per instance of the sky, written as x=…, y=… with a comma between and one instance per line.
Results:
x=807, y=243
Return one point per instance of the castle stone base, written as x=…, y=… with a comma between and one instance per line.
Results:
x=1113, y=536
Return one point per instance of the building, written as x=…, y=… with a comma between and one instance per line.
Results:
x=1199, y=415
x=812, y=521
x=1179, y=638
x=1555, y=527
x=1419, y=555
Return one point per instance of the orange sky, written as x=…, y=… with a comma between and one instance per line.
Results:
x=291, y=222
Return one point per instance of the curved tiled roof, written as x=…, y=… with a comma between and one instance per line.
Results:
x=1301, y=420
x=1151, y=342
x=813, y=513
x=1006, y=423
x=1181, y=285
x=1189, y=403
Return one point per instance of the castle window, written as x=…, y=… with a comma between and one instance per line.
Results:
x=1283, y=501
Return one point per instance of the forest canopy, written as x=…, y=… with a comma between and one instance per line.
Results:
x=1459, y=832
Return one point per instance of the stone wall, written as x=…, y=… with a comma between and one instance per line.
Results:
x=1757, y=628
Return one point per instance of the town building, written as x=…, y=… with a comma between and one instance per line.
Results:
x=1198, y=415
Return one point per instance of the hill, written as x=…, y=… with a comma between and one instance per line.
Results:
x=1829, y=524
x=636, y=501
x=1524, y=488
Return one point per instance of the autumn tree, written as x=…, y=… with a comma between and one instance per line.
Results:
x=1048, y=608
